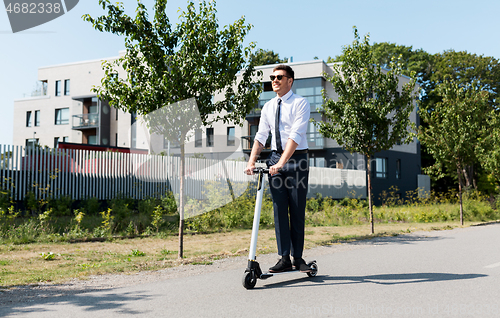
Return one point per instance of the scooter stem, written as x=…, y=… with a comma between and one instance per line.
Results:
x=256, y=217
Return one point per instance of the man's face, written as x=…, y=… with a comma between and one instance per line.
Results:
x=282, y=87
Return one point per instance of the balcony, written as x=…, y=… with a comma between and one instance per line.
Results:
x=86, y=121
x=39, y=91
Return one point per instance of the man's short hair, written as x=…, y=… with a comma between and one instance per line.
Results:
x=287, y=69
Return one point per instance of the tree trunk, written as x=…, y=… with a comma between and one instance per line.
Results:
x=181, y=202
x=460, y=197
x=467, y=176
x=370, y=204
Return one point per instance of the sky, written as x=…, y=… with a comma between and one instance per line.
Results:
x=299, y=29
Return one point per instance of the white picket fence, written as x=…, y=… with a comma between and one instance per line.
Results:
x=81, y=174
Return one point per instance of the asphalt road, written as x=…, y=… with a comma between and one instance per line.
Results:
x=452, y=273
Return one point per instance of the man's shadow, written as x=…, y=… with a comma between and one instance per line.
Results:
x=380, y=279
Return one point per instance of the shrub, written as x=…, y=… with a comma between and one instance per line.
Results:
x=168, y=203
x=106, y=229
x=122, y=210
x=477, y=207
x=390, y=197
x=75, y=226
x=148, y=205
x=5, y=200
x=313, y=205
x=157, y=218
x=91, y=206
x=61, y=206
x=33, y=205
x=45, y=218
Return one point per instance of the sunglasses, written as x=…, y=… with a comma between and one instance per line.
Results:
x=279, y=77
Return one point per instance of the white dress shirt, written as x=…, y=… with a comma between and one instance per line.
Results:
x=294, y=118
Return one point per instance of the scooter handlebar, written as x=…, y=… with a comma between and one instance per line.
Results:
x=259, y=170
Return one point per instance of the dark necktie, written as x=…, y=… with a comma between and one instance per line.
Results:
x=279, y=148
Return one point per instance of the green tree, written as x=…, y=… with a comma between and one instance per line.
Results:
x=489, y=150
x=165, y=65
x=417, y=61
x=371, y=113
x=411, y=60
x=266, y=57
x=461, y=68
x=456, y=130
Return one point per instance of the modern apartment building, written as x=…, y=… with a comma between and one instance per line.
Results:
x=65, y=109
x=399, y=167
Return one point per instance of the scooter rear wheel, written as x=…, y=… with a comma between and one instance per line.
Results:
x=249, y=280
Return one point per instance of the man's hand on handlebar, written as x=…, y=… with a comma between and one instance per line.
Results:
x=275, y=169
x=249, y=170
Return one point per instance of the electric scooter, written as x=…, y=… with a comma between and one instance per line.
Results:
x=253, y=271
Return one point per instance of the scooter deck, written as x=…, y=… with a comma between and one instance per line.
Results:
x=266, y=275
x=269, y=274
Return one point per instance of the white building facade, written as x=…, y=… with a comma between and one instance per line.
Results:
x=64, y=109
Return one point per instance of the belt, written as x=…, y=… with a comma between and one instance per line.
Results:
x=297, y=152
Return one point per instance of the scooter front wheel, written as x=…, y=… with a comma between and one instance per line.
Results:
x=249, y=280
x=314, y=268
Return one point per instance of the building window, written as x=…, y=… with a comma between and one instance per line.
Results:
x=210, y=137
x=31, y=143
x=58, y=88
x=28, y=119
x=381, y=168
x=310, y=89
x=198, y=138
x=62, y=116
x=398, y=169
x=230, y=136
x=317, y=162
x=92, y=140
x=66, y=87
x=57, y=140
x=320, y=162
x=314, y=138
x=94, y=106
x=266, y=95
x=37, y=118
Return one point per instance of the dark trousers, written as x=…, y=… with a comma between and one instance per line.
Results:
x=289, y=192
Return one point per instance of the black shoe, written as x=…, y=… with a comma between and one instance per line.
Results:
x=283, y=265
x=300, y=265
